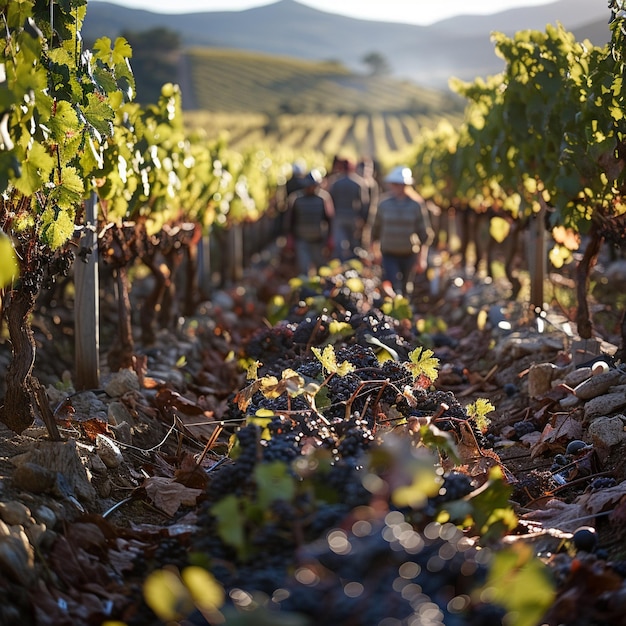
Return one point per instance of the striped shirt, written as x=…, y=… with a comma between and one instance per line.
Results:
x=401, y=225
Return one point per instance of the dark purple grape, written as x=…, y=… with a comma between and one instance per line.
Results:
x=585, y=539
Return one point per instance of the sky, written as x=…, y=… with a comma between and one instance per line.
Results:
x=421, y=12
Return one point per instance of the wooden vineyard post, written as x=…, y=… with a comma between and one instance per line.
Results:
x=86, y=305
x=235, y=249
x=204, y=265
x=537, y=257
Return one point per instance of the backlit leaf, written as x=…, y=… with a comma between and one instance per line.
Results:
x=328, y=359
x=230, y=522
x=57, y=227
x=9, y=269
x=423, y=363
x=521, y=583
x=273, y=482
x=36, y=170
x=499, y=228
x=167, y=596
x=99, y=114
x=207, y=593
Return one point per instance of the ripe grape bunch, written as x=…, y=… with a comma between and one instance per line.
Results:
x=323, y=550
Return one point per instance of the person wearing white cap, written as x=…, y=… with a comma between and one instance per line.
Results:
x=401, y=232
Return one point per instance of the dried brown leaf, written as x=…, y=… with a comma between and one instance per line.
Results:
x=555, y=436
x=167, y=399
x=168, y=495
x=558, y=514
x=603, y=499
x=191, y=474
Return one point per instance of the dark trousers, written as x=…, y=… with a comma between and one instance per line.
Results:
x=397, y=270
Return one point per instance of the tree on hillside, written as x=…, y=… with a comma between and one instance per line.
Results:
x=377, y=63
x=155, y=61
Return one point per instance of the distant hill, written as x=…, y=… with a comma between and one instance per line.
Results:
x=426, y=55
x=240, y=81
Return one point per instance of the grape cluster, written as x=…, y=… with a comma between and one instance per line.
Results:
x=456, y=485
x=325, y=551
x=312, y=330
x=236, y=477
x=378, y=570
x=354, y=441
x=602, y=482
x=283, y=448
x=532, y=485
x=613, y=231
x=524, y=428
x=376, y=328
x=270, y=344
x=58, y=266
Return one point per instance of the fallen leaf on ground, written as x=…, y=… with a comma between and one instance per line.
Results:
x=601, y=500
x=553, y=437
x=168, y=495
x=560, y=515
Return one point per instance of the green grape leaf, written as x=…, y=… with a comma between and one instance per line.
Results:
x=103, y=78
x=339, y=329
x=122, y=51
x=262, y=418
x=36, y=169
x=410, y=472
x=230, y=522
x=70, y=192
x=492, y=512
x=99, y=114
x=102, y=49
x=398, y=307
x=206, y=591
x=60, y=62
x=521, y=583
x=441, y=440
x=273, y=482
x=424, y=483
x=355, y=285
x=423, y=363
x=252, y=370
x=499, y=228
x=57, y=227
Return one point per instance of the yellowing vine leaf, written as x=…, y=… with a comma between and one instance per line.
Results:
x=328, y=359
x=9, y=269
x=167, y=596
x=423, y=363
x=252, y=372
x=499, y=228
x=205, y=590
x=478, y=410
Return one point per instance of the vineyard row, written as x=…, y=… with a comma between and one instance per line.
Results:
x=382, y=136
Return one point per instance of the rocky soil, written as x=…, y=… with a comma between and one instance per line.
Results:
x=125, y=482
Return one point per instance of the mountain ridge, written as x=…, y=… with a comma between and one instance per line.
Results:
x=430, y=55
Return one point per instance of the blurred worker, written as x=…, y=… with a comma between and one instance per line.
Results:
x=401, y=232
x=310, y=217
x=292, y=182
x=351, y=200
x=366, y=168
